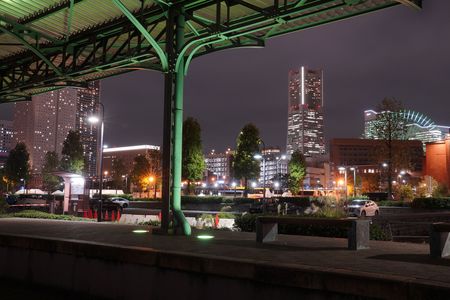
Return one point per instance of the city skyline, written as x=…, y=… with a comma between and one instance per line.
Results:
x=350, y=60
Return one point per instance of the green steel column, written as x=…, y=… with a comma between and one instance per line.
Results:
x=178, y=130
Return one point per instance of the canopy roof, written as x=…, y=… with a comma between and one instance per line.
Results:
x=48, y=44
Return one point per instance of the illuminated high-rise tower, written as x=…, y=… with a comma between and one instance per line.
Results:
x=305, y=112
x=43, y=123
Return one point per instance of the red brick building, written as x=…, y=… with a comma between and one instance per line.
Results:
x=438, y=161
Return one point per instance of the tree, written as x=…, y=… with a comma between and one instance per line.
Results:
x=245, y=166
x=441, y=190
x=404, y=192
x=369, y=182
x=118, y=170
x=193, y=163
x=297, y=172
x=141, y=172
x=72, y=153
x=17, y=166
x=51, y=164
x=389, y=126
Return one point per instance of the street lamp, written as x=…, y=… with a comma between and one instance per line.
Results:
x=24, y=185
x=354, y=180
x=276, y=185
x=151, y=179
x=126, y=182
x=95, y=120
x=261, y=157
x=344, y=169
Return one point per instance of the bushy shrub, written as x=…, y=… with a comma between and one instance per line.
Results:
x=207, y=217
x=377, y=233
x=404, y=192
x=246, y=222
x=151, y=223
x=298, y=201
x=146, y=199
x=330, y=212
x=3, y=205
x=324, y=201
x=431, y=203
x=441, y=190
x=226, y=208
x=226, y=215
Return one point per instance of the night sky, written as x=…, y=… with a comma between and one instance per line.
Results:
x=396, y=52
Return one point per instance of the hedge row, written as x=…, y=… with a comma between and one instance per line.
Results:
x=35, y=214
x=394, y=203
x=431, y=203
x=247, y=222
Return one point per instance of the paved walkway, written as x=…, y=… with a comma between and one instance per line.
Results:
x=400, y=262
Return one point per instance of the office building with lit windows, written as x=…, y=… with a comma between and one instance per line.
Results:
x=218, y=164
x=273, y=165
x=305, y=112
x=43, y=123
x=419, y=127
x=6, y=136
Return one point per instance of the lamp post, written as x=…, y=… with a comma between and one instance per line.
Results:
x=344, y=169
x=24, y=185
x=354, y=180
x=126, y=182
x=95, y=120
x=152, y=179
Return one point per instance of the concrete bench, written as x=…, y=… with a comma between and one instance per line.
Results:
x=440, y=240
x=358, y=230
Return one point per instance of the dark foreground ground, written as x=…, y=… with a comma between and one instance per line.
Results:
x=387, y=270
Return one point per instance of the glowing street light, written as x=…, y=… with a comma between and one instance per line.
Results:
x=94, y=119
x=151, y=180
x=344, y=169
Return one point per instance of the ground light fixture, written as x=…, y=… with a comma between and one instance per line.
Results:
x=140, y=231
x=205, y=237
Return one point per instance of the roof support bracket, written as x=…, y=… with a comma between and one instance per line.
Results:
x=33, y=49
x=162, y=56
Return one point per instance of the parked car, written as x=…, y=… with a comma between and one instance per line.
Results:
x=122, y=201
x=107, y=205
x=362, y=208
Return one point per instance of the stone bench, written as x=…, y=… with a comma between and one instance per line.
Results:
x=358, y=230
x=440, y=240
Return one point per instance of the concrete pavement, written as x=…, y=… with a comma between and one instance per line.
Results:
x=388, y=270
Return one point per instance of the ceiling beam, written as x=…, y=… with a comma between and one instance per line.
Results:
x=32, y=48
x=161, y=54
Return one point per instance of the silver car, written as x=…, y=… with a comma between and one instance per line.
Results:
x=124, y=203
x=363, y=208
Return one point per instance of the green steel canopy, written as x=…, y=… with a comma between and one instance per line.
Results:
x=48, y=44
